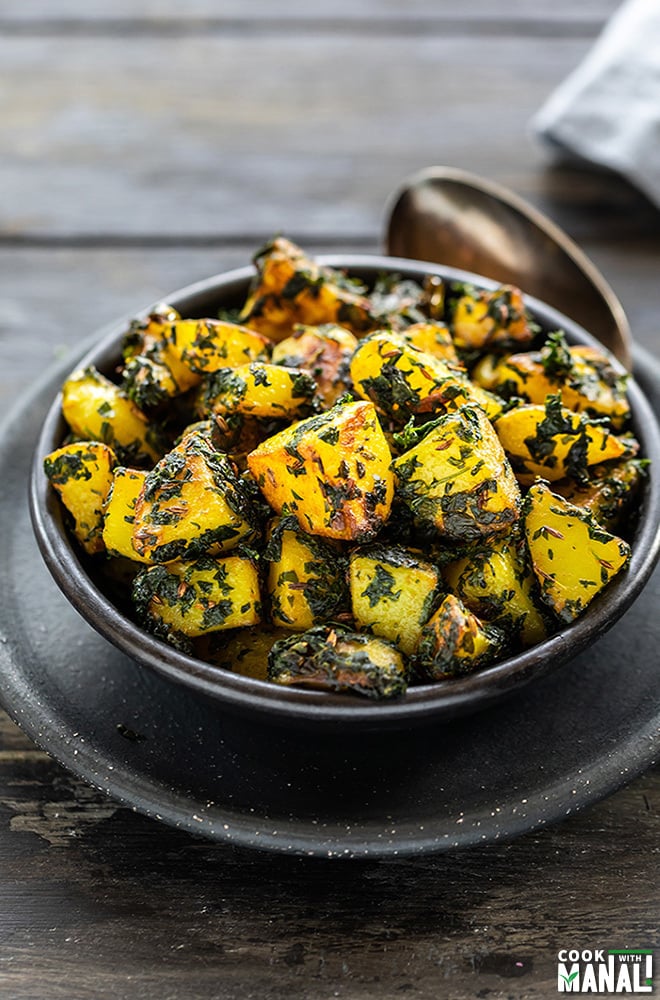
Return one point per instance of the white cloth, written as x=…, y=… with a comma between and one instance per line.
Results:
x=608, y=110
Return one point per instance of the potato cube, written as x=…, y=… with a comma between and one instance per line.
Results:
x=586, y=382
x=332, y=658
x=194, y=598
x=290, y=288
x=498, y=585
x=82, y=475
x=454, y=642
x=434, y=338
x=119, y=513
x=573, y=556
x=482, y=319
x=260, y=390
x=192, y=502
x=218, y=344
x=401, y=380
x=97, y=410
x=553, y=442
x=243, y=651
x=306, y=578
x=332, y=471
x=325, y=352
x=457, y=480
x=393, y=593
x=609, y=493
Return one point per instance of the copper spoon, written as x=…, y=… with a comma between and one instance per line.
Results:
x=452, y=217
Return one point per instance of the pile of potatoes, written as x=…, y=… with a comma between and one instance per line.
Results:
x=351, y=489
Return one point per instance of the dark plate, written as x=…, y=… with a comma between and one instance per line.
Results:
x=552, y=748
x=263, y=702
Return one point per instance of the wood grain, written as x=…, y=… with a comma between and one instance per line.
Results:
x=87, y=883
x=520, y=12
x=205, y=137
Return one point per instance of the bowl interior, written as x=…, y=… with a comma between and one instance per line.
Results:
x=309, y=708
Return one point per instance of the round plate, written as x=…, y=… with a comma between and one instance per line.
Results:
x=172, y=753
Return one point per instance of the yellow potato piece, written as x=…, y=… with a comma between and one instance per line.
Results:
x=261, y=390
x=553, y=442
x=119, y=513
x=97, y=410
x=392, y=593
x=82, y=475
x=497, y=585
x=325, y=352
x=192, y=502
x=573, y=557
x=458, y=480
x=486, y=318
x=219, y=344
x=305, y=581
x=331, y=471
x=195, y=598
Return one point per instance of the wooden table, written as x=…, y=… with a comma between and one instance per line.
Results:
x=147, y=145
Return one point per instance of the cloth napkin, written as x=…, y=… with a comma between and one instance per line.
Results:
x=608, y=110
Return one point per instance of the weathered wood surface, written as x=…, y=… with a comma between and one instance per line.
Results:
x=145, y=146
x=516, y=16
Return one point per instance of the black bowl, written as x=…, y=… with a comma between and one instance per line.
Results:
x=307, y=709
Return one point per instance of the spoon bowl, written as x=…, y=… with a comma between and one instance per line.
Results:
x=452, y=217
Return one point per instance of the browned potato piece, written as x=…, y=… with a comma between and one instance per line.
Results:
x=195, y=598
x=290, y=288
x=482, y=319
x=325, y=352
x=332, y=658
x=553, y=442
x=82, y=475
x=610, y=492
x=573, y=556
x=332, y=471
x=455, y=642
x=457, y=480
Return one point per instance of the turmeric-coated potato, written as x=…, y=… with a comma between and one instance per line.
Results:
x=195, y=598
x=290, y=288
x=483, y=319
x=609, y=493
x=331, y=471
x=119, y=513
x=323, y=351
x=97, y=410
x=455, y=642
x=573, y=556
x=393, y=592
x=553, y=442
x=82, y=475
x=306, y=582
x=261, y=390
x=192, y=502
x=497, y=584
x=457, y=480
